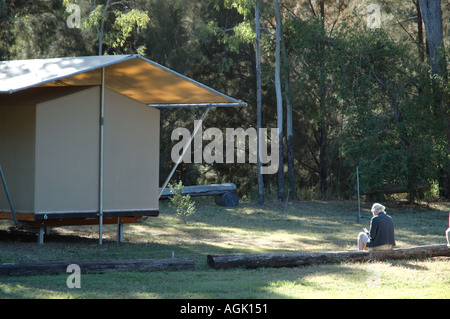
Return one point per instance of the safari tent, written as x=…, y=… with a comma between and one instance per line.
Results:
x=79, y=137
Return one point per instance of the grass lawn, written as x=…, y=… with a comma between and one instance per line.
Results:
x=305, y=226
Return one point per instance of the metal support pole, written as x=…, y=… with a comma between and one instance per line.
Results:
x=100, y=187
x=41, y=235
x=184, y=150
x=8, y=196
x=119, y=232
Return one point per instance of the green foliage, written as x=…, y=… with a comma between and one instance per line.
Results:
x=359, y=95
x=392, y=131
x=363, y=99
x=123, y=26
x=243, y=7
x=183, y=204
x=240, y=32
x=96, y=17
x=316, y=104
x=113, y=22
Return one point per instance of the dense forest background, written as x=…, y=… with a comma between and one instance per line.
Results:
x=356, y=83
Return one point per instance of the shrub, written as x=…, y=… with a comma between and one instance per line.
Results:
x=183, y=204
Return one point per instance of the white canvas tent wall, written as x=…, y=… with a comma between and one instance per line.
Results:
x=131, y=78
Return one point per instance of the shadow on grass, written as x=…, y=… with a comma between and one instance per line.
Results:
x=236, y=283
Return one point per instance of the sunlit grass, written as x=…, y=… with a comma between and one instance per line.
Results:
x=248, y=228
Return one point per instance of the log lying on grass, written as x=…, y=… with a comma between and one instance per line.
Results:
x=304, y=259
x=95, y=266
x=224, y=194
x=203, y=190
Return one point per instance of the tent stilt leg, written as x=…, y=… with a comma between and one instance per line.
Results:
x=41, y=235
x=119, y=233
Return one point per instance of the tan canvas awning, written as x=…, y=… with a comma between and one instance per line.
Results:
x=131, y=75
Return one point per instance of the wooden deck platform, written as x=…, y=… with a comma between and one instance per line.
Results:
x=42, y=220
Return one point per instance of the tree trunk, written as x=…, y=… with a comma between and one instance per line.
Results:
x=305, y=259
x=432, y=18
x=323, y=136
x=420, y=42
x=258, y=105
x=100, y=31
x=289, y=126
x=279, y=99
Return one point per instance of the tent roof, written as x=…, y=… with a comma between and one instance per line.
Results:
x=131, y=75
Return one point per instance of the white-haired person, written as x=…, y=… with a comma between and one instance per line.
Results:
x=381, y=233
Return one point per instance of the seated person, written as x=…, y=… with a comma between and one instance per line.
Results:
x=381, y=233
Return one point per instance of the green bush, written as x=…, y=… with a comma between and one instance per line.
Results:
x=183, y=204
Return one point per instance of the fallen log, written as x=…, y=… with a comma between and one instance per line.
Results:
x=305, y=259
x=203, y=190
x=95, y=266
x=224, y=194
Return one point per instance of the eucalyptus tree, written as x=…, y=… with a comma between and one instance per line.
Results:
x=113, y=21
